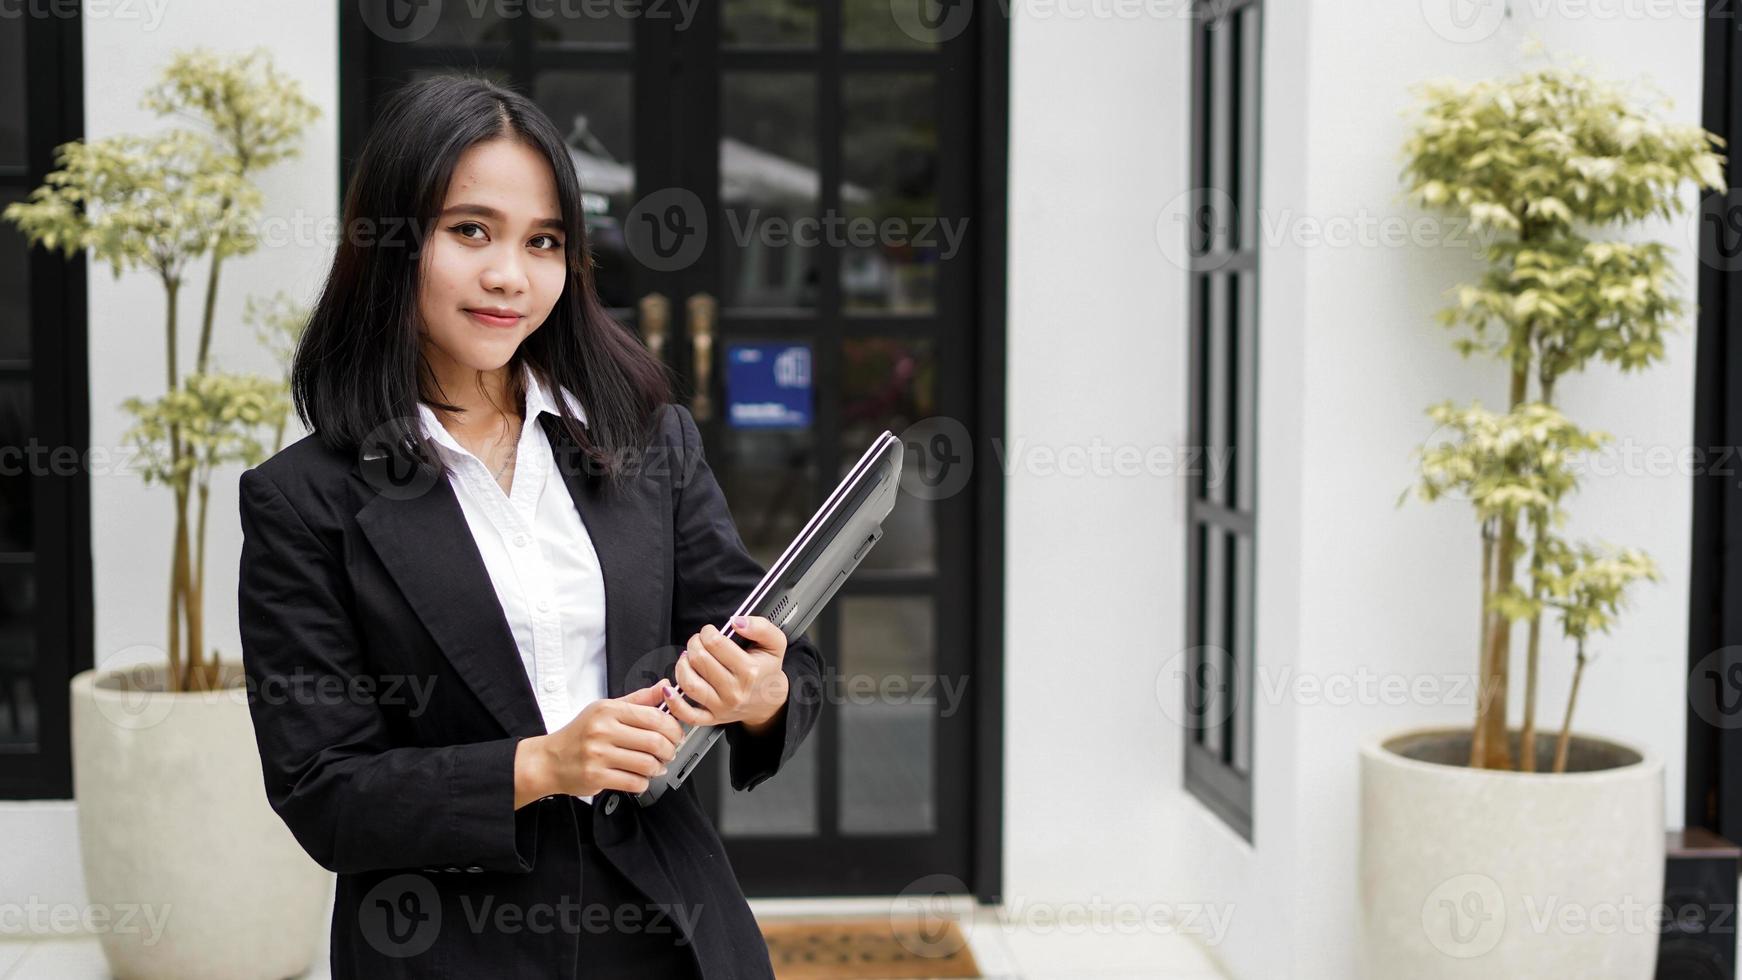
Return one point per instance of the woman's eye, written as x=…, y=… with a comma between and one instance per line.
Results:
x=461, y=228
x=555, y=243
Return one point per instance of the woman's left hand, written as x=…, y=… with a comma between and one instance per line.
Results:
x=730, y=682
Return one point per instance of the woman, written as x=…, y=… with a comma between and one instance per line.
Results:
x=460, y=595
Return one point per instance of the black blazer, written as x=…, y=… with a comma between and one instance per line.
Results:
x=387, y=697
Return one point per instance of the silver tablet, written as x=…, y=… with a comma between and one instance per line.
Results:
x=805, y=576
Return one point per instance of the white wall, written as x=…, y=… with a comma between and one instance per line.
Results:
x=125, y=46
x=1094, y=562
x=1351, y=588
x=1375, y=590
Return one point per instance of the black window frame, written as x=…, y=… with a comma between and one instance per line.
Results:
x=60, y=417
x=1222, y=326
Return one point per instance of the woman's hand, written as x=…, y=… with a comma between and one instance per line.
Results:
x=614, y=743
x=729, y=682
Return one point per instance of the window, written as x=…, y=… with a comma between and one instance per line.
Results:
x=45, y=573
x=1221, y=525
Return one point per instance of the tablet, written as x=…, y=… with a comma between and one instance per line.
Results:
x=805, y=576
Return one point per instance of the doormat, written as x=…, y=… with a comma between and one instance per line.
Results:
x=865, y=948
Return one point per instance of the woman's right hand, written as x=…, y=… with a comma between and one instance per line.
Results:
x=614, y=743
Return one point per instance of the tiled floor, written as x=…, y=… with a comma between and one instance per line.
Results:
x=1003, y=949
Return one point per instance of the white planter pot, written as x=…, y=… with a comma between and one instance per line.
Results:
x=189, y=872
x=1491, y=874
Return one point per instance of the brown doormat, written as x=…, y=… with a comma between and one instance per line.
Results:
x=877, y=947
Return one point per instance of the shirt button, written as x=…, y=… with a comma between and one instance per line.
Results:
x=551, y=683
x=520, y=541
x=543, y=605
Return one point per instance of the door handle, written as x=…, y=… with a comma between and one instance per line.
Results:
x=702, y=308
x=655, y=317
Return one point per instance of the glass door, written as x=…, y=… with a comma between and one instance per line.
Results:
x=778, y=193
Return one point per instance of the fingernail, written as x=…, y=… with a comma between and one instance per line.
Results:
x=740, y=622
x=661, y=771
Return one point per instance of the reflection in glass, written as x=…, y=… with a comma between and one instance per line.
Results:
x=892, y=24
x=769, y=24
x=465, y=24
x=574, y=24
x=767, y=476
x=890, y=697
x=18, y=708
x=890, y=383
x=768, y=181
x=785, y=806
x=497, y=75
x=12, y=91
x=594, y=112
x=14, y=283
x=891, y=148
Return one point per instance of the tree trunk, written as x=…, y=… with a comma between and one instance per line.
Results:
x=1479, y=731
x=1560, y=749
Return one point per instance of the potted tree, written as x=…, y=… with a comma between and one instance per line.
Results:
x=1499, y=850
x=174, y=825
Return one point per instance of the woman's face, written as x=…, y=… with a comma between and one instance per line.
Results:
x=494, y=265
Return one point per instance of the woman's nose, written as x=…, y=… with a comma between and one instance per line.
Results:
x=505, y=271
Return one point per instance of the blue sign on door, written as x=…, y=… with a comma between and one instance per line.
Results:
x=768, y=386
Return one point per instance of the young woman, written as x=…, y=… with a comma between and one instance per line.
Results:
x=462, y=595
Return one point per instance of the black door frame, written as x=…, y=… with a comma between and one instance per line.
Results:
x=60, y=418
x=369, y=67
x=1713, y=788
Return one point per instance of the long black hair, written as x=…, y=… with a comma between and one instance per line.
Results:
x=359, y=371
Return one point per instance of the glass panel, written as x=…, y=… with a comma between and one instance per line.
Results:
x=784, y=806
x=769, y=24
x=768, y=189
x=14, y=283
x=578, y=22
x=497, y=75
x=12, y=91
x=1242, y=653
x=458, y=24
x=901, y=24
x=594, y=112
x=1247, y=24
x=1246, y=388
x=1215, y=387
x=18, y=708
x=1221, y=111
x=768, y=476
x=889, y=185
x=17, y=488
x=1212, y=682
x=890, y=696
x=891, y=383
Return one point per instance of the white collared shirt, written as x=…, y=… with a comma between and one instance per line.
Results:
x=540, y=559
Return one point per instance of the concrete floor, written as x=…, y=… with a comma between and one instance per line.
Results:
x=1003, y=949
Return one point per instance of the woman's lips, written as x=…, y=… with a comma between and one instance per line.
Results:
x=494, y=320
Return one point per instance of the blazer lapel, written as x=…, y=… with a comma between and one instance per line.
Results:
x=623, y=525
x=423, y=539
